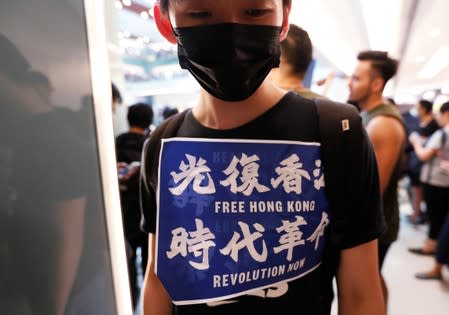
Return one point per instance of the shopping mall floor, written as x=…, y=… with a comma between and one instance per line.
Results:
x=408, y=295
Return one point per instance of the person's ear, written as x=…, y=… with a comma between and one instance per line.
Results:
x=377, y=84
x=285, y=21
x=163, y=24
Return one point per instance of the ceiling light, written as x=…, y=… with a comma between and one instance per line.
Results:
x=437, y=63
x=127, y=2
x=144, y=15
x=118, y=5
x=383, y=36
x=429, y=95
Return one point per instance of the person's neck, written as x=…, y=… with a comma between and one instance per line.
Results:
x=137, y=130
x=426, y=119
x=217, y=114
x=291, y=83
x=372, y=102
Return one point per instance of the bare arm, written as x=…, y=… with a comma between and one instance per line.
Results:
x=156, y=300
x=358, y=281
x=387, y=136
x=423, y=153
x=69, y=216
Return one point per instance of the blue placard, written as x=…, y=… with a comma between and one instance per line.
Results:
x=235, y=216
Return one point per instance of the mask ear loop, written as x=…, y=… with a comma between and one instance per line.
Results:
x=163, y=24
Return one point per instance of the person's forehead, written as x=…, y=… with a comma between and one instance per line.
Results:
x=229, y=3
x=363, y=67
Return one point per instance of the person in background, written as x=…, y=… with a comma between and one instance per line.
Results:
x=442, y=251
x=196, y=246
x=441, y=255
x=427, y=126
x=296, y=56
x=169, y=111
x=434, y=178
x=391, y=101
x=129, y=151
x=385, y=128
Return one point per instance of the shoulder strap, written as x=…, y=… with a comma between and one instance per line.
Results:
x=152, y=147
x=340, y=134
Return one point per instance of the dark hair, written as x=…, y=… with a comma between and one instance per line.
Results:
x=169, y=111
x=164, y=4
x=297, y=49
x=116, y=96
x=140, y=115
x=444, y=108
x=391, y=100
x=38, y=78
x=383, y=64
x=13, y=64
x=426, y=105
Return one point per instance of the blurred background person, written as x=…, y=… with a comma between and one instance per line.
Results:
x=129, y=150
x=442, y=250
x=426, y=127
x=169, y=111
x=385, y=127
x=434, y=178
x=296, y=57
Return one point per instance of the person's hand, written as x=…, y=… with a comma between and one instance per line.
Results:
x=122, y=170
x=126, y=171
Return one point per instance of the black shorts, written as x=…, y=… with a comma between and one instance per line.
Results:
x=414, y=179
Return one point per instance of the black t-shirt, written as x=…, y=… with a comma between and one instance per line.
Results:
x=414, y=163
x=129, y=149
x=429, y=129
x=294, y=119
x=129, y=146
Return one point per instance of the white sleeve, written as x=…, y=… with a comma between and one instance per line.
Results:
x=435, y=140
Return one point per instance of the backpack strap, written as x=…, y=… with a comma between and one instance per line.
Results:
x=152, y=148
x=341, y=136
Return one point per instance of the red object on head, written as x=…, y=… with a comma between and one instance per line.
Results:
x=163, y=24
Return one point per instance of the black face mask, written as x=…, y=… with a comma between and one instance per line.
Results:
x=230, y=61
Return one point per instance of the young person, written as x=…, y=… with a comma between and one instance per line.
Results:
x=239, y=216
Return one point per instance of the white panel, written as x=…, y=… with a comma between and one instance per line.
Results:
x=101, y=88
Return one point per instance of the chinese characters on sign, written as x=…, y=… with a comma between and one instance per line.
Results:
x=238, y=224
